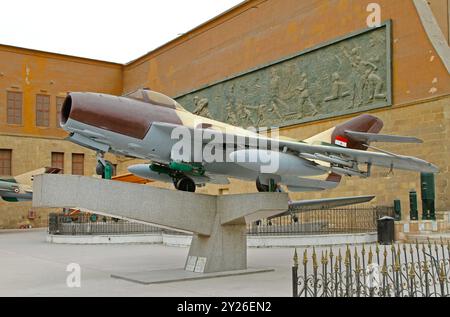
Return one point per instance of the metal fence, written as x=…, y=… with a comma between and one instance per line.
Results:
x=84, y=224
x=387, y=271
x=323, y=221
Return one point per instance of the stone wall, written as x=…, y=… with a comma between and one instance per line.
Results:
x=253, y=34
x=30, y=153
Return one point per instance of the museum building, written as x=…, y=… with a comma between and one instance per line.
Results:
x=304, y=66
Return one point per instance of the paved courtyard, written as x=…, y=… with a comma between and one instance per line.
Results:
x=29, y=266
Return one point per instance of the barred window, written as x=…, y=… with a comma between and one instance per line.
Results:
x=14, y=107
x=59, y=104
x=58, y=161
x=42, y=110
x=5, y=162
x=77, y=164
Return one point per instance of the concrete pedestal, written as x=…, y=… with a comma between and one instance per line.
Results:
x=217, y=222
x=180, y=275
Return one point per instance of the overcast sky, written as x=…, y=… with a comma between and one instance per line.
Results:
x=111, y=30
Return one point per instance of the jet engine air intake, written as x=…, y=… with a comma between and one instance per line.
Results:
x=65, y=110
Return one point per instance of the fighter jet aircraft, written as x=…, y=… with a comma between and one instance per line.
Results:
x=151, y=126
x=20, y=188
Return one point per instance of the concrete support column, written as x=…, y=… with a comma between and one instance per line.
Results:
x=224, y=250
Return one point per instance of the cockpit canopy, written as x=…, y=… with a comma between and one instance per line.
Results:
x=154, y=98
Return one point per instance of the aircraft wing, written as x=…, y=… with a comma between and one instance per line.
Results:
x=388, y=160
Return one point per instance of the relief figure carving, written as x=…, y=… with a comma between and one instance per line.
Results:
x=346, y=76
x=374, y=84
x=201, y=107
x=368, y=85
x=230, y=115
x=307, y=107
x=338, y=88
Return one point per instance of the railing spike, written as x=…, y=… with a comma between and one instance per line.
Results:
x=358, y=264
x=397, y=261
x=324, y=259
x=348, y=257
x=370, y=256
x=295, y=258
x=314, y=258
x=384, y=268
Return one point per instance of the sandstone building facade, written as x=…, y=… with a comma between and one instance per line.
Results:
x=250, y=37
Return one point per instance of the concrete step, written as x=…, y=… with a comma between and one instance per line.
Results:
x=424, y=237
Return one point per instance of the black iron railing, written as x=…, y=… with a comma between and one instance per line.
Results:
x=85, y=224
x=388, y=271
x=323, y=221
x=312, y=222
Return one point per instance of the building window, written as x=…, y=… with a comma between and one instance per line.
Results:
x=77, y=164
x=59, y=103
x=42, y=110
x=58, y=161
x=14, y=107
x=5, y=162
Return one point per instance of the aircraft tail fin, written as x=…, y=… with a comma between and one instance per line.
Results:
x=27, y=178
x=339, y=136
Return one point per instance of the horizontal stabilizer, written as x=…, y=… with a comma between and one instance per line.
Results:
x=329, y=203
x=27, y=178
x=372, y=137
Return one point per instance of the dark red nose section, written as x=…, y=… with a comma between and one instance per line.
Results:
x=121, y=115
x=363, y=123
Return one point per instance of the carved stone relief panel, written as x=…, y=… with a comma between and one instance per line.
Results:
x=348, y=75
